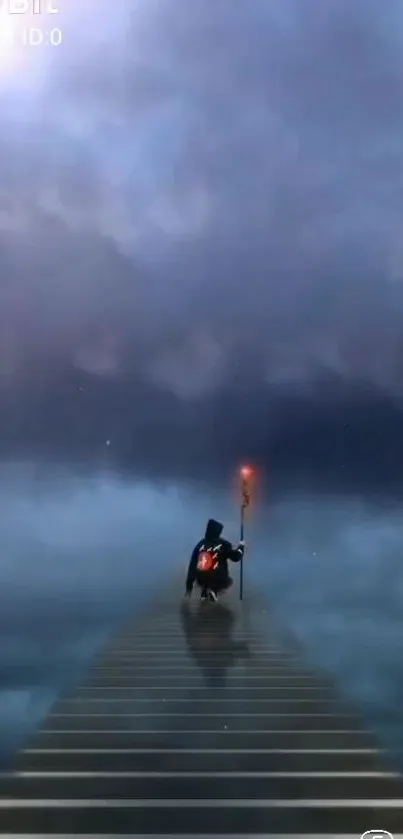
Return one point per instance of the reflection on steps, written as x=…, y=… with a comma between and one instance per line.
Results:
x=190, y=723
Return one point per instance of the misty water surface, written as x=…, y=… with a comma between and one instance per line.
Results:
x=77, y=555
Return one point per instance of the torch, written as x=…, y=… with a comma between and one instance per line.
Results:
x=246, y=475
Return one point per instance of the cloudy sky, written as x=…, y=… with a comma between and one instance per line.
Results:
x=200, y=235
x=201, y=261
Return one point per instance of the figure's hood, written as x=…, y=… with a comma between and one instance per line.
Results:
x=213, y=530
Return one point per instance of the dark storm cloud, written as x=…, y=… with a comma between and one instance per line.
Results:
x=200, y=219
x=201, y=260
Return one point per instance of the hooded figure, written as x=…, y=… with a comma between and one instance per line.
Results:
x=208, y=565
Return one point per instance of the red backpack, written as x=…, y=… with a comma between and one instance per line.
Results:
x=208, y=559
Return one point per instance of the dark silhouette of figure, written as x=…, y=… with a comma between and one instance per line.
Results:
x=209, y=639
x=208, y=565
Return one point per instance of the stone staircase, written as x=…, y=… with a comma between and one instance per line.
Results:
x=191, y=723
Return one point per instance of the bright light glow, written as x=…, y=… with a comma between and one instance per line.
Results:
x=8, y=39
x=246, y=472
x=13, y=41
x=20, y=35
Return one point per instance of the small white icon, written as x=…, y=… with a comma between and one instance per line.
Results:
x=377, y=834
